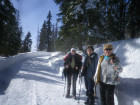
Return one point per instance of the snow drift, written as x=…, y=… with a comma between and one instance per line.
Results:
x=9, y=61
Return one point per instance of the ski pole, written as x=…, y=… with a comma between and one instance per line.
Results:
x=80, y=82
x=64, y=88
x=62, y=75
x=95, y=95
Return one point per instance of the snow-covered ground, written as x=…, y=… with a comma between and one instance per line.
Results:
x=35, y=78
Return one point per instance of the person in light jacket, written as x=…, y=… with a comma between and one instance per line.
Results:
x=107, y=74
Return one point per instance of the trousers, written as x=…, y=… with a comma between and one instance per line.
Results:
x=89, y=84
x=107, y=94
x=71, y=77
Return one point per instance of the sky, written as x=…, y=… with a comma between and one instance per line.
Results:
x=33, y=13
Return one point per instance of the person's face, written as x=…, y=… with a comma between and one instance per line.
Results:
x=89, y=51
x=108, y=51
x=73, y=52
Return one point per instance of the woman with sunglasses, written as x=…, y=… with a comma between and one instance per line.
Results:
x=107, y=74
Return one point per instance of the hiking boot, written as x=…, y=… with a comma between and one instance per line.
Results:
x=67, y=95
x=95, y=97
x=86, y=93
x=86, y=102
x=74, y=97
x=91, y=102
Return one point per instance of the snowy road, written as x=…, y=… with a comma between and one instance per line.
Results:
x=38, y=83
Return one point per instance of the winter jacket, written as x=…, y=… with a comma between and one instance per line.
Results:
x=90, y=64
x=105, y=71
x=78, y=62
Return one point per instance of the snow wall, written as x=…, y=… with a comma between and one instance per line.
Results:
x=9, y=61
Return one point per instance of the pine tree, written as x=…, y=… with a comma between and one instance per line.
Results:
x=46, y=42
x=133, y=18
x=27, y=43
x=38, y=39
x=78, y=21
x=49, y=31
x=53, y=38
x=43, y=42
x=10, y=29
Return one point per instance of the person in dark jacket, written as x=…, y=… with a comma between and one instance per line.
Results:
x=72, y=64
x=88, y=70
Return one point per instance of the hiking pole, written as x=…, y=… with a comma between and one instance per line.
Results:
x=62, y=76
x=65, y=76
x=95, y=95
x=80, y=82
x=64, y=88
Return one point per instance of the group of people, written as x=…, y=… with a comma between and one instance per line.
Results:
x=104, y=71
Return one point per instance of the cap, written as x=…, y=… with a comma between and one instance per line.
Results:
x=73, y=49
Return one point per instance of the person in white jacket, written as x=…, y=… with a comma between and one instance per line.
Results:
x=107, y=74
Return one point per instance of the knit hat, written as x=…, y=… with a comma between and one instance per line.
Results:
x=73, y=49
x=106, y=46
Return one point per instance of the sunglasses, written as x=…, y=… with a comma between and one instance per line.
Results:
x=108, y=49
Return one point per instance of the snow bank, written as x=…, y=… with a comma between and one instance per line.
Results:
x=7, y=62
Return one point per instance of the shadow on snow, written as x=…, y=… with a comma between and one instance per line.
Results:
x=13, y=72
x=128, y=91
